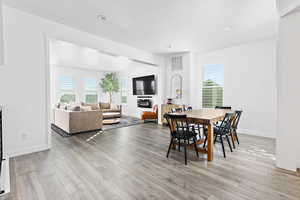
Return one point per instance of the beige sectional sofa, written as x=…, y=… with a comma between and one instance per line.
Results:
x=77, y=121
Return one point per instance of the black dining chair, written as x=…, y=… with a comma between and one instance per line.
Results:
x=181, y=133
x=223, y=107
x=234, y=127
x=223, y=129
x=197, y=127
x=188, y=108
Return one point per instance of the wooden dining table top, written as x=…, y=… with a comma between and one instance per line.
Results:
x=206, y=116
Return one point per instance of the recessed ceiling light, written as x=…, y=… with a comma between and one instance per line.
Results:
x=228, y=28
x=101, y=17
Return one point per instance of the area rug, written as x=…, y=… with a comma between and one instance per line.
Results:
x=125, y=121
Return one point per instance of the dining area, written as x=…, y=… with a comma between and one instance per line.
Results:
x=200, y=130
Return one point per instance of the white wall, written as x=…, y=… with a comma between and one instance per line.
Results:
x=249, y=83
x=1, y=37
x=136, y=70
x=286, y=6
x=288, y=81
x=23, y=82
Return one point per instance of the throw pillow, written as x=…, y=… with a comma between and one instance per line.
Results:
x=75, y=108
x=114, y=107
x=94, y=106
x=65, y=106
x=104, y=105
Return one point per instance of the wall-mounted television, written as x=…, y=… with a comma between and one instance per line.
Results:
x=145, y=85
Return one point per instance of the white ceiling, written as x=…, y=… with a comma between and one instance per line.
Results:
x=155, y=24
x=66, y=54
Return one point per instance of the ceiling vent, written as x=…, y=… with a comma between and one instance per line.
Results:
x=176, y=63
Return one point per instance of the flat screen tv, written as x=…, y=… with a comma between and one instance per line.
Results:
x=144, y=85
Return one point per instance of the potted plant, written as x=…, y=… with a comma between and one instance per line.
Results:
x=110, y=84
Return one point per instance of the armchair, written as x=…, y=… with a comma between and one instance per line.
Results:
x=151, y=115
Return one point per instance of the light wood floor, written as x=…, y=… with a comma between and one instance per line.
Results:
x=131, y=163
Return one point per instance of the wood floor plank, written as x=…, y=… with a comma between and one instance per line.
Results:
x=130, y=163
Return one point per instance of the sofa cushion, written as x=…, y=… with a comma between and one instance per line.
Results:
x=85, y=108
x=109, y=110
x=104, y=106
x=94, y=106
x=108, y=115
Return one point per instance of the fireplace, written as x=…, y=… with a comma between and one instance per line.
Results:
x=144, y=103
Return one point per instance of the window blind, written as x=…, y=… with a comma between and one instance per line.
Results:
x=66, y=83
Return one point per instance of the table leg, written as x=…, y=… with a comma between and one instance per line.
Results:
x=210, y=142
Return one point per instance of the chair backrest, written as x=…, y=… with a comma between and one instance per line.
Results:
x=226, y=124
x=176, y=122
x=155, y=108
x=223, y=107
x=188, y=108
x=176, y=110
x=236, y=120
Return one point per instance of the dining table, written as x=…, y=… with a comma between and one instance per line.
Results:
x=207, y=118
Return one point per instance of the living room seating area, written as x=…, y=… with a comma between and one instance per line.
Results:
x=83, y=117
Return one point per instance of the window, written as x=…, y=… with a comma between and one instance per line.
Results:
x=66, y=89
x=213, y=83
x=91, y=94
x=123, y=82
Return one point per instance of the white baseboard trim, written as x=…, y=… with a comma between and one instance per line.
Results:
x=256, y=133
x=28, y=150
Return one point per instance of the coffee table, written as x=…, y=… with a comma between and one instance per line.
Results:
x=111, y=121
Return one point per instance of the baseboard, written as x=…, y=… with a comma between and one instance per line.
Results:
x=29, y=150
x=256, y=133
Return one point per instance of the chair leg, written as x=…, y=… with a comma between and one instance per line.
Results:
x=179, y=145
x=227, y=137
x=199, y=131
x=223, y=146
x=205, y=140
x=232, y=139
x=236, y=136
x=215, y=139
x=185, y=155
x=195, y=144
x=171, y=143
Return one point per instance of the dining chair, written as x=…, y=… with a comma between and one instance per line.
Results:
x=176, y=110
x=234, y=127
x=188, y=108
x=223, y=129
x=223, y=107
x=197, y=127
x=181, y=133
